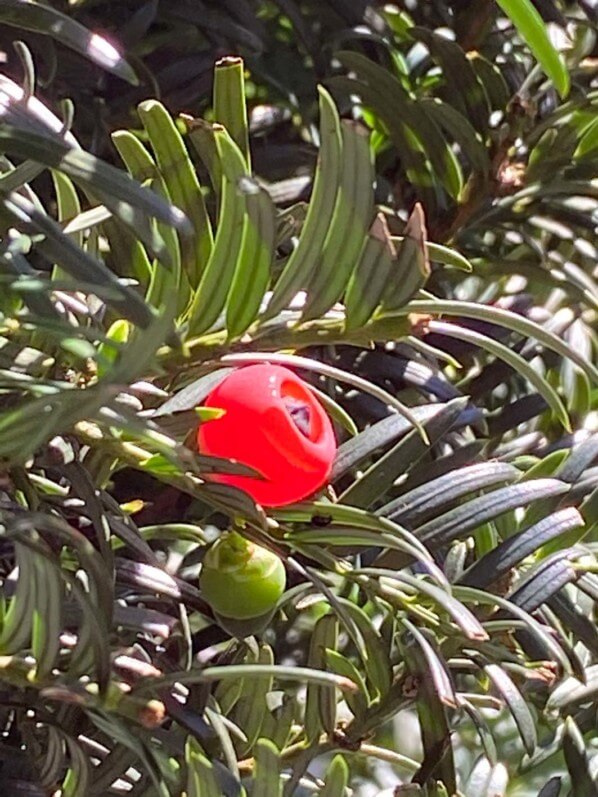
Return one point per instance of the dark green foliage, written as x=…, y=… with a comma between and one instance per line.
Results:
x=400, y=205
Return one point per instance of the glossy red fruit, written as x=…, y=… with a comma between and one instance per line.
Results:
x=274, y=423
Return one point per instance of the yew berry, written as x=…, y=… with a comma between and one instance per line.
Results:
x=274, y=424
x=241, y=580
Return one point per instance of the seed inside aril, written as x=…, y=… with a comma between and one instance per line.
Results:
x=300, y=414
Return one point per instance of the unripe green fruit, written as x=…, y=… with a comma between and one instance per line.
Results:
x=241, y=580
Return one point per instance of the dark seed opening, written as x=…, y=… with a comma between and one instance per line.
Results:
x=300, y=413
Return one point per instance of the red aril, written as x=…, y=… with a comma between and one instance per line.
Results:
x=275, y=424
